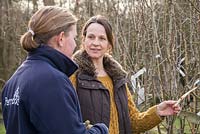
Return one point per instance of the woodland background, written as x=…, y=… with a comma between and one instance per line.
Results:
x=161, y=37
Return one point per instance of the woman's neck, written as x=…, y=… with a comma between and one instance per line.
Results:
x=99, y=67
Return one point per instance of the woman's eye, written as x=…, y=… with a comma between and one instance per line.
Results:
x=90, y=36
x=102, y=38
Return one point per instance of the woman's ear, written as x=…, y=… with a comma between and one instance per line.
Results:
x=83, y=43
x=60, y=39
x=110, y=47
x=109, y=51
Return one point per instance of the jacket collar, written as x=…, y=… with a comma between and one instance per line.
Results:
x=53, y=57
x=112, y=67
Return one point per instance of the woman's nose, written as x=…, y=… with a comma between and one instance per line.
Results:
x=96, y=42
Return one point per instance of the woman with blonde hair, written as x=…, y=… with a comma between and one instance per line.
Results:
x=37, y=97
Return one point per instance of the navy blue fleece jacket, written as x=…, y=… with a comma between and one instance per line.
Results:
x=40, y=99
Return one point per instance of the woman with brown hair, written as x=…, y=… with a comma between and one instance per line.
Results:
x=37, y=97
x=101, y=85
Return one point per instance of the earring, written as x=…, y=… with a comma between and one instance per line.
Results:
x=109, y=51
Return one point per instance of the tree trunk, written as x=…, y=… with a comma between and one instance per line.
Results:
x=49, y=2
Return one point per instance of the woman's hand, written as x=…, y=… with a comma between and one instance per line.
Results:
x=166, y=108
x=87, y=124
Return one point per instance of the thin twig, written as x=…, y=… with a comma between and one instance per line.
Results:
x=192, y=4
x=185, y=95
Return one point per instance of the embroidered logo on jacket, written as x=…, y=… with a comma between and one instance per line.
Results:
x=14, y=100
